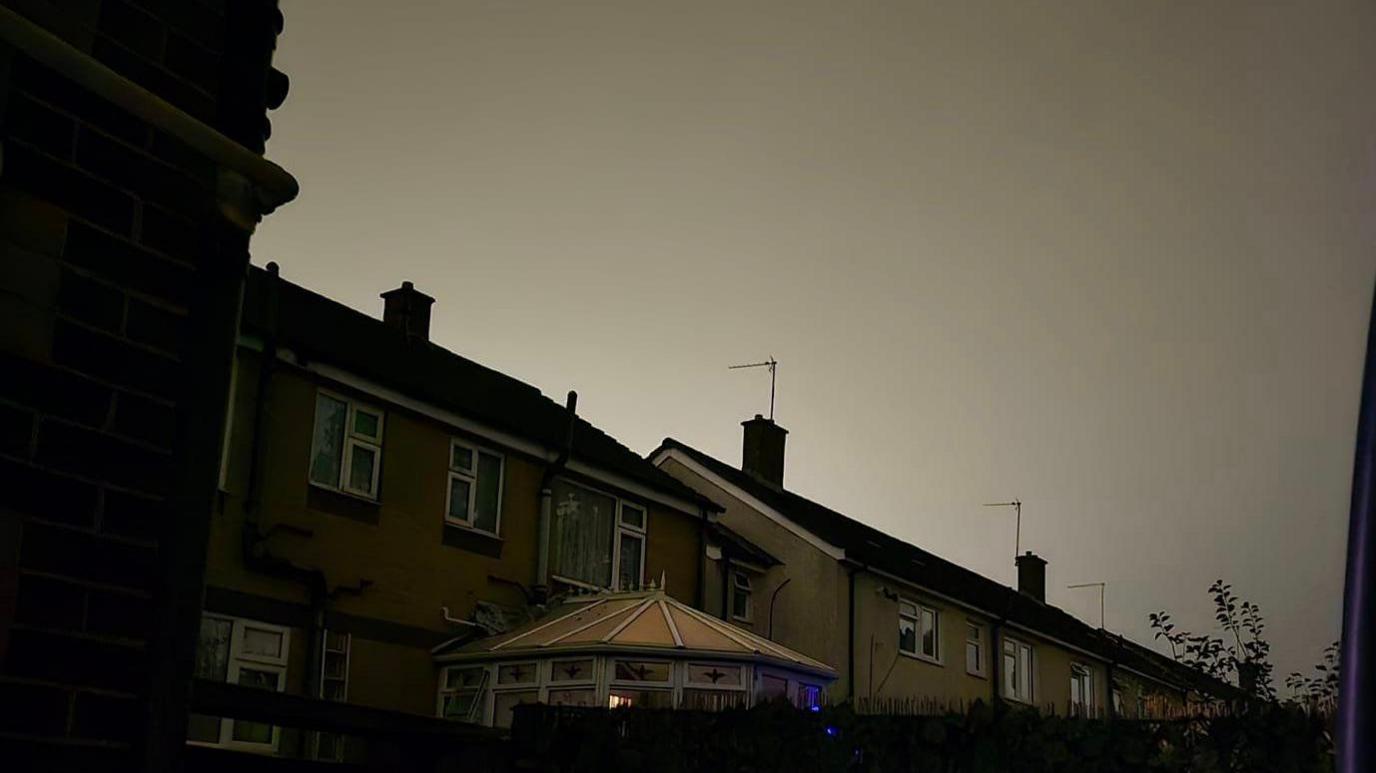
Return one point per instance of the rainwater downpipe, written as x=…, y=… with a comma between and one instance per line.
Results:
x=541, y=589
x=850, y=634
x=252, y=537
x=773, y=597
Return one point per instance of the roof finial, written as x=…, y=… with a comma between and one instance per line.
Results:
x=663, y=580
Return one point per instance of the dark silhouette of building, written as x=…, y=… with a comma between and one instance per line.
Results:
x=132, y=178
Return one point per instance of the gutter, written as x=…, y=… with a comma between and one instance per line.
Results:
x=249, y=186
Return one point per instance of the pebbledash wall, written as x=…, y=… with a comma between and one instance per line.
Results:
x=131, y=135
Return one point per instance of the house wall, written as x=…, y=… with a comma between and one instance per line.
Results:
x=810, y=613
x=394, y=564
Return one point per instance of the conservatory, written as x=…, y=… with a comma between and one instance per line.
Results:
x=638, y=648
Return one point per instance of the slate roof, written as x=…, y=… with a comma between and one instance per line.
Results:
x=872, y=548
x=317, y=328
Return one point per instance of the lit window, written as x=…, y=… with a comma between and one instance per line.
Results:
x=918, y=630
x=1017, y=670
x=346, y=451
x=596, y=539
x=475, y=488
x=974, y=649
x=740, y=596
x=809, y=697
x=244, y=652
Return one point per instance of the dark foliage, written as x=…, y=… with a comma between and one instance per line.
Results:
x=777, y=737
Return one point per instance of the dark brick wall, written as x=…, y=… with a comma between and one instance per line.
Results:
x=118, y=286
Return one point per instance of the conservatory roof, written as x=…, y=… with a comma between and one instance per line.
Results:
x=646, y=622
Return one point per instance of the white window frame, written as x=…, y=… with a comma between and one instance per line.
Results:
x=1024, y=689
x=472, y=479
x=740, y=581
x=743, y=688
x=347, y=652
x=626, y=530
x=482, y=702
x=1084, y=674
x=237, y=660
x=669, y=685
x=978, y=642
x=352, y=440
x=916, y=618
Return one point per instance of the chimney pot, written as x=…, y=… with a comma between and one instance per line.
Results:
x=762, y=450
x=1032, y=575
x=408, y=310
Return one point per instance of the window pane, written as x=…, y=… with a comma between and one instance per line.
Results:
x=255, y=732
x=1025, y=669
x=907, y=610
x=516, y=673
x=645, y=699
x=907, y=635
x=336, y=642
x=641, y=671
x=712, y=700
x=809, y=696
x=571, y=671
x=741, y=579
x=1010, y=676
x=504, y=702
x=205, y=729
x=334, y=665
x=463, y=705
x=327, y=449
x=740, y=604
x=458, y=498
x=582, y=696
x=629, y=570
x=972, y=657
x=258, y=679
x=365, y=424
x=632, y=515
x=261, y=643
x=928, y=633
x=455, y=678
x=714, y=674
x=361, y=462
x=772, y=687
x=489, y=491
x=333, y=690
x=581, y=537
x=462, y=458
x=973, y=634
x=212, y=649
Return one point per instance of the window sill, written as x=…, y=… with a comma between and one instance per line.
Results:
x=472, y=540
x=344, y=492
x=334, y=502
x=921, y=657
x=977, y=674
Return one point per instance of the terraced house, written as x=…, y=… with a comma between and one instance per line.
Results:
x=381, y=495
x=904, y=628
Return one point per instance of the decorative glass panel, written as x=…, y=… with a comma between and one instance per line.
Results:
x=632, y=515
x=462, y=458
x=458, y=498
x=581, y=538
x=516, y=673
x=261, y=643
x=714, y=674
x=361, y=462
x=489, y=492
x=628, y=572
x=504, y=702
x=455, y=678
x=212, y=649
x=327, y=449
x=366, y=424
x=582, y=696
x=645, y=699
x=712, y=700
x=571, y=671
x=641, y=671
x=773, y=687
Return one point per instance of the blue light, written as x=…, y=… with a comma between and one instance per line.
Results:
x=831, y=731
x=814, y=709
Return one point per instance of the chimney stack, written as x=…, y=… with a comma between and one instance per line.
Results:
x=408, y=310
x=1032, y=575
x=762, y=453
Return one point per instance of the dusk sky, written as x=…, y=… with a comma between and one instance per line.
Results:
x=1112, y=258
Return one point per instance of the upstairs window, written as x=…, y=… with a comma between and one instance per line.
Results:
x=596, y=540
x=1081, y=690
x=346, y=450
x=917, y=630
x=475, y=488
x=740, y=596
x=1017, y=670
x=974, y=649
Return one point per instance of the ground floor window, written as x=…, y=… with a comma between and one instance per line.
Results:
x=334, y=686
x=463, y=691
x=244, y=652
